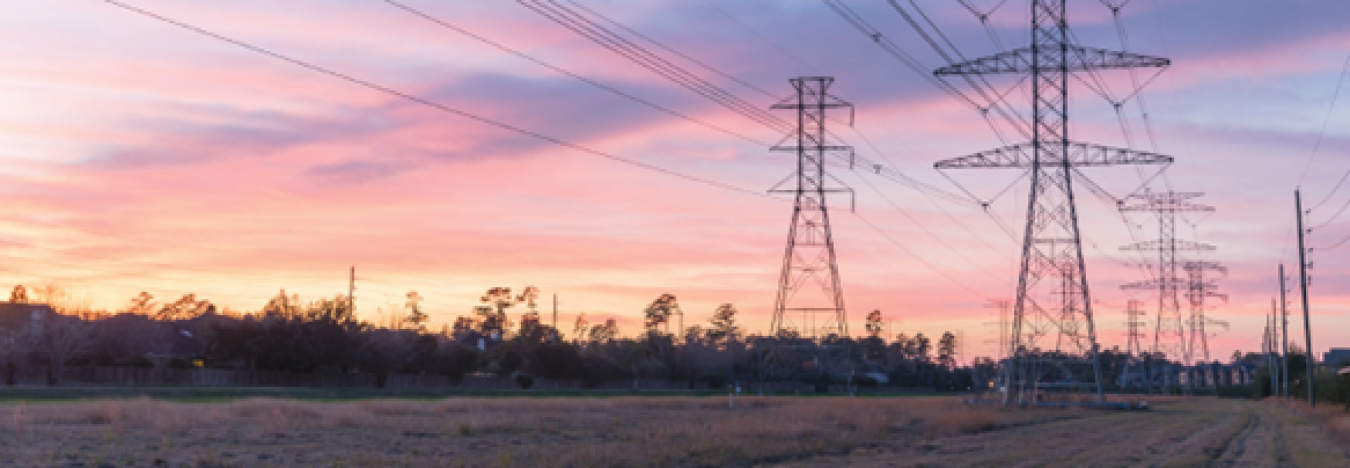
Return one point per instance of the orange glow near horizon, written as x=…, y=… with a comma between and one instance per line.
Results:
x=140, y=157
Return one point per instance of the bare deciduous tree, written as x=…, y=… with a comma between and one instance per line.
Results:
x=62, y=338
x=14, y=340
x=18, y=295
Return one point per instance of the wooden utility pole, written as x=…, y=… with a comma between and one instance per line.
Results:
x=1271, y=361
x=1303, y=281
x=1284, y=333
x=351, y=292
x=555, y=317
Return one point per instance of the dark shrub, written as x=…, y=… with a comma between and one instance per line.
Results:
x=525, y=381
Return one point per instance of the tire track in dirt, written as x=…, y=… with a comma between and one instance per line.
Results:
x=1231, y=453
x=1100, y=439
x=1279, y=444
x=1197, y=433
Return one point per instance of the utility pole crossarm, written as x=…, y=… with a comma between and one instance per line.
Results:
x=1079, y=58
x=1022, y=156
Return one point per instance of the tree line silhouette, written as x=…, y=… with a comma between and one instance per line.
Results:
x=45, y=328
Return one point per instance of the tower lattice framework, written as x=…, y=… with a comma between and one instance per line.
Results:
x=1054, y=344
x=1134, y=350
x=1199, y=288
x=810, y=301
x=1174, y=334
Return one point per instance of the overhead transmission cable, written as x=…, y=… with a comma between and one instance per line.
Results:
x=1138, y=96
x=484, y=120
x=971, y=80
x=1331, y=107
x=674, y=51
x=912, y=63
x=893, y=174
x=635, y=52
x=433, y=104
x=451, y=26
x=916, y=256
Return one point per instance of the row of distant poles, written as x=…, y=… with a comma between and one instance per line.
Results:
x=1052, y=344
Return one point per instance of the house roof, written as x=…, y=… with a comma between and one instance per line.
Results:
x=16, y=315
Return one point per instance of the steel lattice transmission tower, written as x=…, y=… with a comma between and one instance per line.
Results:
x=808, y=288
x=1133, y=348
x=1052, y=317
x=1171, y=335
x=1133, y=314
x=1198, y=288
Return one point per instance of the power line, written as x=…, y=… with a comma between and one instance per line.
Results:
x=433, y=104
x=916, y=256
x=1318, y=145
x=448, y=25
x=969, y=79
x=643, y=57
x=465, y=114
x=674, y=51
x=928, y=231
x=639, y=55
x=756, y=33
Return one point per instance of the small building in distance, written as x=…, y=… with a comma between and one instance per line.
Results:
x=16, y=317
x=1337, y=357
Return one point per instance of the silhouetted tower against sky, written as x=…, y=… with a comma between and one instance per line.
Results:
x=1171, y=335
x=1200, y=288
x=810, y=301
x=1052, y=318
x=1134, y=367
x=1134, y=313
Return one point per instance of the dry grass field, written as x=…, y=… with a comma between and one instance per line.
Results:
x=1198, y=432
x=651, y=431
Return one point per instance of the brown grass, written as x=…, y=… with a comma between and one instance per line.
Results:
x=1332, y=418
x=670, y=431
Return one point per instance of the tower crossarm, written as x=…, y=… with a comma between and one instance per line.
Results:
x=1079, y=59
x=1022, y=156
x=1161, y=197
x=1169, y=206
x=1160, y=245
x=1201, y=266
x=1151, y=285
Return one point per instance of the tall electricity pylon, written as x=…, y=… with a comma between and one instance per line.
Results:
x=1133, y=313
x=1133, y=349
x=809, y=263
x=1052, y=319
x=1198, y=288
x=1171, y=335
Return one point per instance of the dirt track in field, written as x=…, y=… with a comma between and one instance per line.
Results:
x=1202, y=432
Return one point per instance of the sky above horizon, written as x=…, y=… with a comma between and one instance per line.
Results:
x=138, y=156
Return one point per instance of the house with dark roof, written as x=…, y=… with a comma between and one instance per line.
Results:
x=15, y=317
x=1337, y=357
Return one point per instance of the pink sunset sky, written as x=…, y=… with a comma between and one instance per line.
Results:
x=138, y=156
